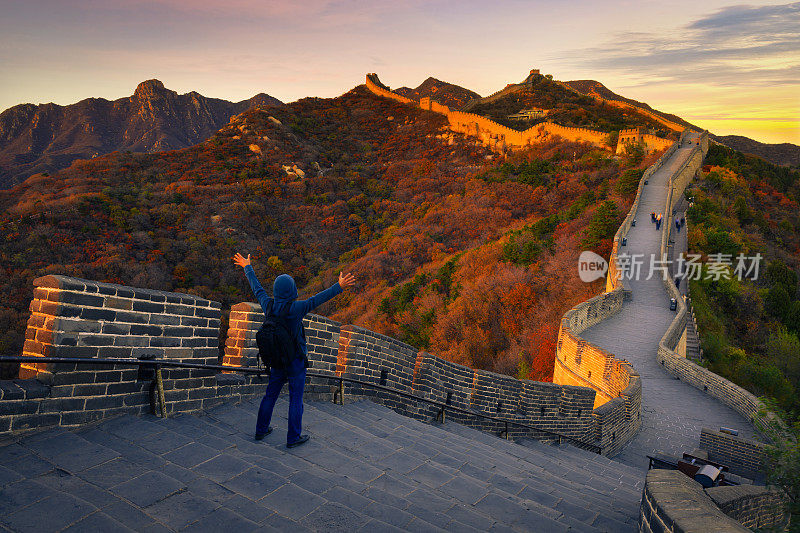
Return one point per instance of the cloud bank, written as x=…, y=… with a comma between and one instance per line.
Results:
x=750, y=45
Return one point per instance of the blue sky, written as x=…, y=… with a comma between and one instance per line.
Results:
x=733, y=68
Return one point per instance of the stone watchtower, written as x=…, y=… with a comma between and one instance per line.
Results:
x=630, y=136
x=534, y=73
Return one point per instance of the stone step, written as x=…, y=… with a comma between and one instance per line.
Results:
x=366, y=468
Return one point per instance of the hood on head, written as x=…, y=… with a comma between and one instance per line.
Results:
x=284, y=288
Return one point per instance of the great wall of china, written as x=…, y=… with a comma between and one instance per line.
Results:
x=499, y=138
x=496, y=136
x=596, y=397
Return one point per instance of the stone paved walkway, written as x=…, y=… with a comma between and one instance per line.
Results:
x=366, y=468
x=673, y=413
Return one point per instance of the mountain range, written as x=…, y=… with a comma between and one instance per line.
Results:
x=784, y=154
x=48, y=137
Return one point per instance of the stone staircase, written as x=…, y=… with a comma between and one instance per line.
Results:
x=366, y=468
x=692, y=340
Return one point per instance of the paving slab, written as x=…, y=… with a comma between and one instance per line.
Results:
x=292, y=501
x=334, y=517
x=223, y=519
x=255, y=483
x=52, y=513
x=181, y=509
x=148, y=488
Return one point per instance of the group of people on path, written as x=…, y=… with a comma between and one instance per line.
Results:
x=656, y=219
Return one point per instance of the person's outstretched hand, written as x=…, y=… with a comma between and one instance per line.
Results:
x=346, y=280
x=241, y=260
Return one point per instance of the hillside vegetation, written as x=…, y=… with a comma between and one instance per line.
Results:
x=749, y=329
x=456, y=251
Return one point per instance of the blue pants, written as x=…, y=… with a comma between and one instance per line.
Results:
x=297, y=381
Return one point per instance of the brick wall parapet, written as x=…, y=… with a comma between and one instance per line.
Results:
x=352, y=351
x=76, y=318
x=756, y=507
x=674, y=503
x=744, y=457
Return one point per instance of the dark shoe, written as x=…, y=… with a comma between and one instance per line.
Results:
x=260, y=436
x=302, y=440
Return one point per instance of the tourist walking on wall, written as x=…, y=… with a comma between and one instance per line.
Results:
x=286, y=305
x=658, y=222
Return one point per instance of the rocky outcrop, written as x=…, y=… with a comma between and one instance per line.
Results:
x=48, y=137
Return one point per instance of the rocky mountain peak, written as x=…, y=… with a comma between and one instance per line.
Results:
x=149, y=88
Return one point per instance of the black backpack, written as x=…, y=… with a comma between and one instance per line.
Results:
x=276, y=344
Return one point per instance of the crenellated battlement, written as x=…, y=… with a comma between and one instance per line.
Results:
x=75, y=318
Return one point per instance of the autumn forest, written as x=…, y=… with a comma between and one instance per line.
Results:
x=457, y=251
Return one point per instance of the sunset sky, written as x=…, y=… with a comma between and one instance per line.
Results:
x=731, y=68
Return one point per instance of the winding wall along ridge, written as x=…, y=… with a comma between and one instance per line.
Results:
x=727, y=392
x=495, y=136
x=578, y=362
x=674, y=126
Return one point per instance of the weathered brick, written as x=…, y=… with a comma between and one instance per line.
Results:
x=98, y=314
x=123, y=388
x=80, y=417
x=207, y=313
x=165, y=320
x=75, y=351
x=96, y=340
x=92, y=389
x=58, y=405
x=148, y=307
x=103, y=402
x=112, y=328
x=114, y=352
x=146, y=330
x=81, y=299
x=34, y=421
x=132, y=317
x=178, y=331
x=165, y=341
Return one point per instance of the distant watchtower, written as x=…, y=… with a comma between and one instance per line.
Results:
x=533, y=75
x=629, y=136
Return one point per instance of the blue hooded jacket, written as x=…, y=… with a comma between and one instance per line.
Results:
x=284, y=292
